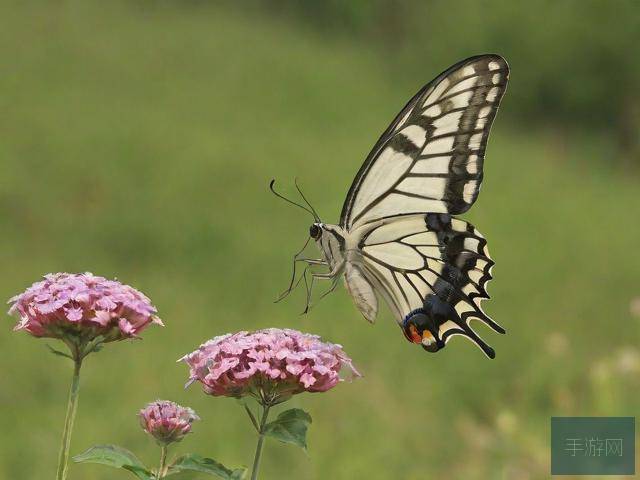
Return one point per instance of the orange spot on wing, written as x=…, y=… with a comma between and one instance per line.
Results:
x=428, y=335
x=415, y=336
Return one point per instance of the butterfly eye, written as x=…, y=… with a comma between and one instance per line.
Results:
x=315, y=231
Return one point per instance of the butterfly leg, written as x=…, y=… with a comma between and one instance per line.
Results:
x=309, y=262
x=292, y=285
x=332, y=275
x=334, y=284
x=309, y=288
x=337, y=268
x=296, y=259
x=313, y=261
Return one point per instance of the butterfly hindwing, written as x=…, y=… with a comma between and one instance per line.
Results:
x=430, y=158
x=434, y=266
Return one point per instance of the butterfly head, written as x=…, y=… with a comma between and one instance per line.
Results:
x=315, y=230
x=418, y=328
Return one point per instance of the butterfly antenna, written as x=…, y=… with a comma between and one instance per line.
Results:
x=290, y=201
x=313, y=210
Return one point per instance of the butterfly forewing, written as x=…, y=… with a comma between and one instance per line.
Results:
x=430, y=158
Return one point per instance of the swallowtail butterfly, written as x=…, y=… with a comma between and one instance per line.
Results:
x=397, y=238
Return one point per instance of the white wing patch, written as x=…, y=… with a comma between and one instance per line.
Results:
x=439, y=146
x=433, y=165
x=397, y=254
x=397, y=200
x=416, y=186
x=447, y=123
x=415, y=134
x=392, y=167
x=389, y=232
x=425, y=239
x=437, y=92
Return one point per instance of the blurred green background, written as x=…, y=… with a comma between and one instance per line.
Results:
x=138, y=140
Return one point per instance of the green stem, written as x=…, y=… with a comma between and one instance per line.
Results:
x=72, y=406
x=163, y=462
x=256, y=460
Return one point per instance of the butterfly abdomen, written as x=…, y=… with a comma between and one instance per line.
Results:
x=361, y=291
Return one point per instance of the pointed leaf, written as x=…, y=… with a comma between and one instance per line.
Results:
x=58, y=352
x=290, y=427
x=197, y=463
x=115, y=456
x=140, y=472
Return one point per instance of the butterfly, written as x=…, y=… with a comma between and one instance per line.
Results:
x=398, y=238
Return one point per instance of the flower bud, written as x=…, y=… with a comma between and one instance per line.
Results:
x=167, y=421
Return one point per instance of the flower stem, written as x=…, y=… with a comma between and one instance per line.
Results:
x=72, y=406
x=163, y=462
x=256, y=460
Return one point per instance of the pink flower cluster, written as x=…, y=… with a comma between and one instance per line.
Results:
x=167, y=421
x=84, y=305
x=273, y=359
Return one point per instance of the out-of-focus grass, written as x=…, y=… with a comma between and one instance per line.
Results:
x=138, y=142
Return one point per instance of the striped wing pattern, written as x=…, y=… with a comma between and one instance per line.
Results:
x=434, y=266
x=430, y=158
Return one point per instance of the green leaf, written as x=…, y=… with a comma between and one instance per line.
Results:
x=58, y=352
x=196, y=463
x=290, y=427
x=115, y=456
